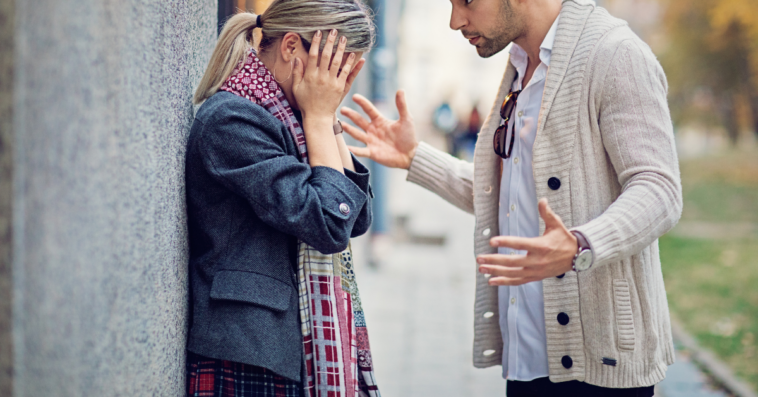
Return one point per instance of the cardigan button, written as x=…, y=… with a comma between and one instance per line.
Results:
x=560, y=275
x=554, y=183
x=563, y=318
x=344, y=208
x=567, y=362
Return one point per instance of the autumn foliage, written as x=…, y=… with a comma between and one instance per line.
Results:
x=711, y=60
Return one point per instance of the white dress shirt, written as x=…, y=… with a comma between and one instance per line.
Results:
x=522, y=318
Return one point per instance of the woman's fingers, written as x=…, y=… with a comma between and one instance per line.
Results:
x=326, y=55
x=346, y=70
x=367, y=106
x=359, y=135
x=360, y=151
x=297, y=72
x=313, y=53
x=354, y=73
x=334, y=68
x=356, y=118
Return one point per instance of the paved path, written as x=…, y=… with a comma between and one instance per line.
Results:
x=419, y=303
x=419, y=307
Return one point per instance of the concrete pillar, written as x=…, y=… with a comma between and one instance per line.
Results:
x=101, y=114
x=6, y=186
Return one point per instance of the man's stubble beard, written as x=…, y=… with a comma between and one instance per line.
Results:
x=510, y=28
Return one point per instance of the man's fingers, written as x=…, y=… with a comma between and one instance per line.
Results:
x=360, y=151
x=356, y=118
x=367, y=106
x=552, y=220
x=402, y=105
x=504, y=260
x=498, y=281
x=514, y=243
x=359, y=135
x=500, y=271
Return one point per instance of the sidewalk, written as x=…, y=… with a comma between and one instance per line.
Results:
x=419, y=307
x=419, y=303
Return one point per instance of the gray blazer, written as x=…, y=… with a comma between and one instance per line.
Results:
x=249, y=200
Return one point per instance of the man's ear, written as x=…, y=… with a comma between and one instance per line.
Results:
x=289, y=45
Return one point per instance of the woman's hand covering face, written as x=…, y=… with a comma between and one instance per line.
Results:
x=320, y=86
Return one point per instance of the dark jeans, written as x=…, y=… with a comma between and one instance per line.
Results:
x=543, y=387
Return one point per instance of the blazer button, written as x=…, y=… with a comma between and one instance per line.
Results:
x=560, y=275
x=344, y=208
x=563, y=318
x=554, y=183
x=567, y=362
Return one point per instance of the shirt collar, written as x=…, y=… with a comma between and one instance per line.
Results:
x=519, y=57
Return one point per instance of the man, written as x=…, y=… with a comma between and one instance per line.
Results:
x=570, y=296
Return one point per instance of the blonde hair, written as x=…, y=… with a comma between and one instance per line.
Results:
x=351, y=18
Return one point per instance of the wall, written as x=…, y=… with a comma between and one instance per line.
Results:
x=101, y=116
x=6, y=187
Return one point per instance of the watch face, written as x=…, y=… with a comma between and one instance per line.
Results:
x=583, y=260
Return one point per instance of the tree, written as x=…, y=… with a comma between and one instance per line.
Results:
x=711, y=60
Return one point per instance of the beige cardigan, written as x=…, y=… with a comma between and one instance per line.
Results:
x=605, y=131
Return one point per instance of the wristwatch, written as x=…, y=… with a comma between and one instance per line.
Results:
x=338, y=127
x=584, y=258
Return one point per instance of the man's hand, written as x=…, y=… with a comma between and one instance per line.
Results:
x=547, y=256
x=391, y=143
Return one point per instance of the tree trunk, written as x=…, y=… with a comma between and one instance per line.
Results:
x=727, y=111
x=753, y=101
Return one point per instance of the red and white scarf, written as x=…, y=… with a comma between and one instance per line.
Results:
x=335, y=338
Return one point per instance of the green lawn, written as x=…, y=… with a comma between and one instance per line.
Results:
x=712, y=284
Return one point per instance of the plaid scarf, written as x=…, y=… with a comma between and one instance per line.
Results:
x=335, y=339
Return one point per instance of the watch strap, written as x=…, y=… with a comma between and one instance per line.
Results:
x=582, y=245
x=338, y=127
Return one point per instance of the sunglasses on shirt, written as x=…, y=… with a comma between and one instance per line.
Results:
x=503, y=139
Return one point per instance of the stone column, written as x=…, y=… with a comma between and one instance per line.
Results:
x=6, y=188
x=102, y=112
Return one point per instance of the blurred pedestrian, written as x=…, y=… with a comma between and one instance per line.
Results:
x=470, y=135
x=445, y=121
x=569, y=299
x=273, y=198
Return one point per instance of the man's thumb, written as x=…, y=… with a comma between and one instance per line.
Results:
x=402, y=105
x=551, y=219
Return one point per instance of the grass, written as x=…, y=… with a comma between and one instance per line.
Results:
x=712, y=284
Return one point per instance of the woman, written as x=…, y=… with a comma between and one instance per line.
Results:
x=273, y=197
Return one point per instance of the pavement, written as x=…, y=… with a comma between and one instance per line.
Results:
x=419, y=303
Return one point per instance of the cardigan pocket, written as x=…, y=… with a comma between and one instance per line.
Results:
x=250, y=287
x=624, y=318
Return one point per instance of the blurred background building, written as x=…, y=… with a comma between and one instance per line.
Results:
x=94, y=113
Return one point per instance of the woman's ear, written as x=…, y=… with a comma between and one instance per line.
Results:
x=290, y=45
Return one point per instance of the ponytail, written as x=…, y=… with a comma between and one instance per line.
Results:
x=235, y=40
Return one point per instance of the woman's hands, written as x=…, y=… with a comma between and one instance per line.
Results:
x=391, y=143
x=320, y=88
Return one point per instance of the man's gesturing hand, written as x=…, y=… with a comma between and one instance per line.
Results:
x=391, y=143
x=547, y=256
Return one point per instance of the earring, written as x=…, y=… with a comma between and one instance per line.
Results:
x=292, y=68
